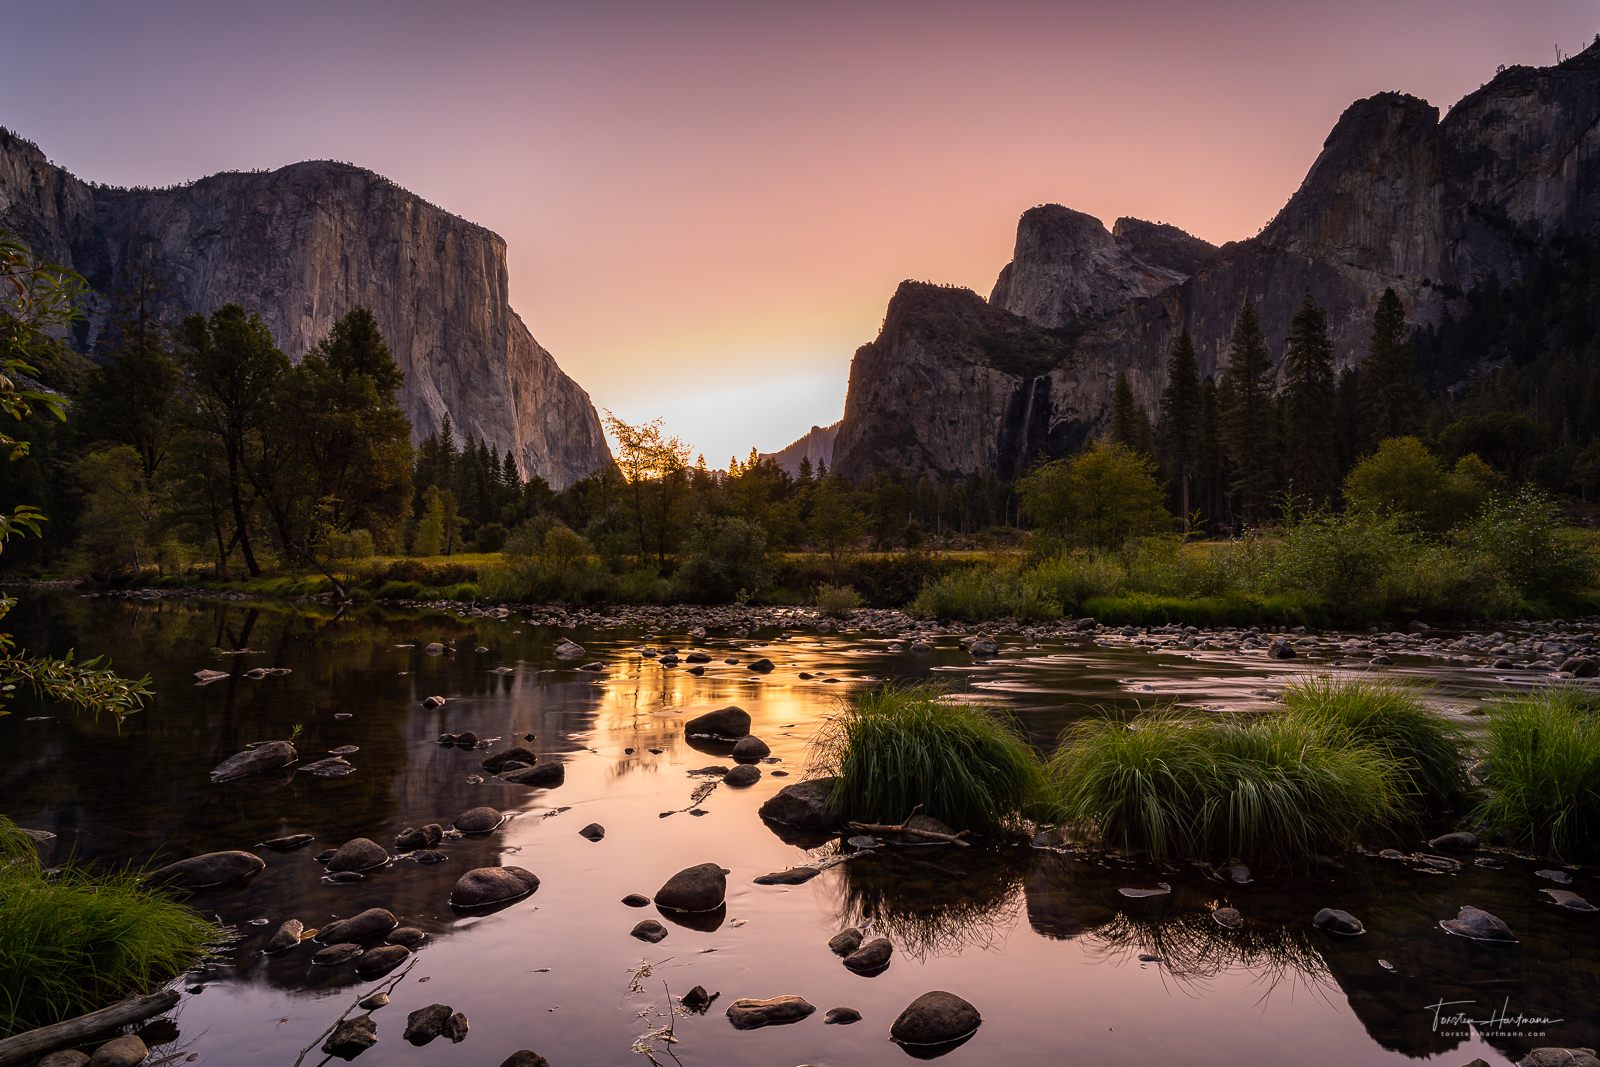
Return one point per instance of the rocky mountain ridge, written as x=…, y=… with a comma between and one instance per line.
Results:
x=304, y=244
x=1397, y=197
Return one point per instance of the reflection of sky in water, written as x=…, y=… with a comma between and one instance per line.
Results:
x=1041, y=942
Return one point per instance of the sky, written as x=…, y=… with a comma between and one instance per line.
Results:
x=708, y=205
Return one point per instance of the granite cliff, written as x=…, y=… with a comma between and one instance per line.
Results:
x=304, y=244
x=1397, y=197
x=815, y=445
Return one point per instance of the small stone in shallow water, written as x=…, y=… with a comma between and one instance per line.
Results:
x=697, y=999
x=492, y=885
x=429, y=856
x=344, y=876
x=374, y=1002
x=594, y=832
x=1493, y=863
x=352, y=1037
x=363, y=926
x=845, y=942
x=742, y=775
x=288, y=844
x=409, y=936
x=358, y=854
x=1558, y=877
x=1479, y=925
x=747, y=1014
x=841, y=1016
x=334, y=955
x=1569, y=900
x=1162, y=891
x=1334, y=921
x=790, y=876
x=341, y=717
x=1238, y=874
x=381, y=960
x=425, y=1024
x=860, y=841
x=871, y=958
x=286, y=937
x=1435, y=863
x=636, y=900
x=935, y=1018
x=702, y=887
x=1228, y=918
x=1459, y=842
x=478, y=820
x=332, y=767
x=344, y=750
x=649, y=930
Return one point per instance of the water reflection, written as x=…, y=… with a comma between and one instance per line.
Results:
x=935, y=900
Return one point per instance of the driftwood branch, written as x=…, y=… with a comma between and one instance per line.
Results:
x=26, y=1047
x=901, y=828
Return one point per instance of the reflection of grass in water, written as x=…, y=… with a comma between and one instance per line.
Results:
x=1194, y=948
x=934, y=901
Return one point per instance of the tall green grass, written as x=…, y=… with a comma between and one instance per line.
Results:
x=1396, y=720
x=74, y=941
x=978, y=594
x=897, y=747
x=1276, y=789
x=1544, y=772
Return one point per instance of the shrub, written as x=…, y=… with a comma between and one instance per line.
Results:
x=724, y=557
x=897, y=747
x=491, y=537
x=1100, y=497
x=837, y=601
x=1394, y=719
x=73, y=942
x=978, y=594
x=1544, y=772
x=1274, y=789
x=1521, y=537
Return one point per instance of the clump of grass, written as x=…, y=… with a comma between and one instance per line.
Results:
x=1544, y=772
x=979, y=594
x=837, y=600
x=1396, y=720
x=900, y=746
x=73, y=941
x=1276, y=789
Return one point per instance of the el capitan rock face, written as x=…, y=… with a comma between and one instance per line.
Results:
x=1397, y=198
x=303, y=245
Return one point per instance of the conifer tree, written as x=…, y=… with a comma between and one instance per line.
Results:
x=1389, y=399
x=1180, y=420
x=1128, y=425
x=1210, y=468
x=1309, y=435
x=1247, y=416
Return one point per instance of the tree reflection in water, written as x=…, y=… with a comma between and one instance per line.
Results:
x=935, y=900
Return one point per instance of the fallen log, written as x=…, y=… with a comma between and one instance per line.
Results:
x=29, y=1046
x=931, y=835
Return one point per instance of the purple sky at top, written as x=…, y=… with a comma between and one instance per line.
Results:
x=707, y=205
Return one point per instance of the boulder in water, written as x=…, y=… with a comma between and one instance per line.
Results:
x=492, y=885
x=258, y=759
x=749, y=1014
x=359, y=854
x=935, y=1018
x=703, y=887
x=730, y=722
x=213, y=868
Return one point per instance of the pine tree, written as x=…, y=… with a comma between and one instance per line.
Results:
x=1247, y=416
x=1347, y=419
x=1389, y=399
x=1309, y=435
x=1180, y=419
x=1210, y=468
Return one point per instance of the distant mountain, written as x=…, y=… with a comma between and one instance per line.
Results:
x=816, y=445
x=1397, y=198
x=303, y=245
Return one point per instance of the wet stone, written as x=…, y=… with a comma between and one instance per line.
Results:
x=730, y=722
x=841, y=1016
x=492, y=885
x=477, y=820
x=374, y=1002
x=697, y=999
x=258, y=759
x=429, y=856
x=344, y=876
x=408, y=936
x=935, y=1018
x=1568, y=899
x=411, y=839
x=469, y=739
x=750, y=1014
x=286, y=937
x=803, y=805
x=213, y=868
x=128, y=1051
x=425, y=1024
x=1558, y=877
x=332, y=767
x=593, y=832
x=751, y=747
x=791, y=876
x=1228, y=918
x=1238, y=874
x=380, y=961
x=523, y=1058
x=744, y=774
x=1478, y=925
x=1334, y=921
x=636, y=900
x=761, y=666
x=352, y=1037
x=334, y=955
x=871, y=958
x=358, y=855
x=649, y=930
x=1457, y=842
x=1560, y=1057
x=702, y=887
x=1493, y=863
x=542, y=776
x=516, y=754
x=845, y=942
x=288, y=844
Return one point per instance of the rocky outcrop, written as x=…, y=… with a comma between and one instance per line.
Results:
x=1397, y=198
x=304, y=244
x=1068, y=268
x=951, y=384
x=816, y=446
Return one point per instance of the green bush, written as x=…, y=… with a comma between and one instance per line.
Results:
x=1275, y=789
x=975, y=595
x=723, y=558
x=1394, y=719
x=73, y=942
x=837, y=601
x=1234, y=609
x=897, y=747
x=1544, y=772
x=1521, y=536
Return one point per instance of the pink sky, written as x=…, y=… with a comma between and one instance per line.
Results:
x=708, y=205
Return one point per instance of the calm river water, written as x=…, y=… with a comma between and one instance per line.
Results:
x=1040, y=941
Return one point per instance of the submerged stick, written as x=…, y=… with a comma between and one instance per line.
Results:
x=934, y=835
x=26, y=1047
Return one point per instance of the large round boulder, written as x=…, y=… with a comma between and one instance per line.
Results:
x=935, y=1018
x=492, y=885
x=803, y=805
x=257, y=759
x=730, y=722
x=700, y=888
x=213, y=868
x=359, y=854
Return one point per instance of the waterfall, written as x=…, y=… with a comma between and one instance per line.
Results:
x=1027, y=421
